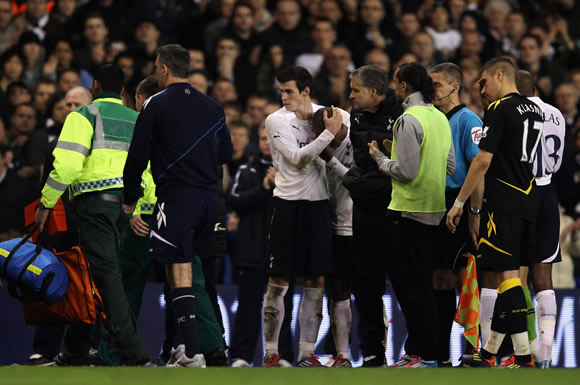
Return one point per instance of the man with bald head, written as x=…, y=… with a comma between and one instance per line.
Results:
x=548, y=161
x=77, y=97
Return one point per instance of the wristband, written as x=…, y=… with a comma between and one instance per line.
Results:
x=459, y=204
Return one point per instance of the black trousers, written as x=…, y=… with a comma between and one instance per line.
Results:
x=374, y=245
x=415, y=260
x=247, y=325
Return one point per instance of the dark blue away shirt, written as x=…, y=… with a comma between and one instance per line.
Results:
x=183, y=133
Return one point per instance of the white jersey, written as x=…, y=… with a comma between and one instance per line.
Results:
x=340, y=201
x=300, y=173
x=549, y=154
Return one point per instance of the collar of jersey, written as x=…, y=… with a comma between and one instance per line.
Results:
x=111, y=97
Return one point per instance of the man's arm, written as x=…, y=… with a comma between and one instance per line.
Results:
x=284, y=142
x=409, y=135
x=139, y=155
x=225, y=148
x=475, y=175
x=451, y=159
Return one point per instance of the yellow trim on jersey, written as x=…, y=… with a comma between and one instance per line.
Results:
x=485, y=241
x=526, y=192
x=496, y=103
x=508, y=284
x=491, y=225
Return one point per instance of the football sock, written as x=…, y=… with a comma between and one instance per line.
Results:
x=310, y=317
x=273, y=316
x=184, y=308
x=486, y=308
x=341, y=322
x=547, y=310
x=516, y=310
x=497, y=331
x=446, y=306
x=531, y=319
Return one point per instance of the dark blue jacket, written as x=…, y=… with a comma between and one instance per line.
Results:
x=253, y=203
x=183, y=133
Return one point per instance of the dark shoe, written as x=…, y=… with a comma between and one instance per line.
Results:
x=374, y=362
x=139, y=360
x=62, y=359
x=39, y=360
x=216, y=357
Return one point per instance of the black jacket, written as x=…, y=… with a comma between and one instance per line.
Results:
x=253, y=203
x=369, y=188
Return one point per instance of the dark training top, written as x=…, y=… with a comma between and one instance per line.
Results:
x=183, y=133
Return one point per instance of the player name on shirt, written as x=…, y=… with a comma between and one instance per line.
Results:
x=523, y=108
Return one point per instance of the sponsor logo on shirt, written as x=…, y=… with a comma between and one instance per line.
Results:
x=476, y=134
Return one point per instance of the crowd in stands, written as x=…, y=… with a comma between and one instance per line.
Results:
x=238, y=47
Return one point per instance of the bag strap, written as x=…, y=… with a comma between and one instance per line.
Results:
x=15, y=249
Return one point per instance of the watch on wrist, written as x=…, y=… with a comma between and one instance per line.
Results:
x=475, y=210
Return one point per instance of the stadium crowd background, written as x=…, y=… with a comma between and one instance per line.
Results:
x=237, y=48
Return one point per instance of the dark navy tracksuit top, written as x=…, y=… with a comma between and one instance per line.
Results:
x=183, y=133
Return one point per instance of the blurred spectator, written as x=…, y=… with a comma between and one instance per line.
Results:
x=408, y=26
x=224, y=90
x=233, y=112
x=11, y=70
x=542, y=31
x=199, y=79
x=373, y=29
x=531, y=60
x=495, y=12
x=407, y=57
x=215, y=29
x=196, y=59
x=230, y=65
x=254, y=114
x=264, y=18
x=456, y=8
x=289, y=30
x=147, y=40
x=62, y=54
x=566, y=98
x=33, y=52
x=445, y=37
x=61, y=23
x=273, y=60
x=574, y=76
x=23, y=122
x=68, y=79
x=515, y=28
x=570, y=10
x=44, y=90
x=332, y=86
x=240, y=133
x=35, y=17
x=471, y=47
x=77, y=97
x=15, y=193
x=241, y=29
x=470, y=69
x=93, y=51
x=423, y=47
x=324, y=36
x=17, y=93
x=10, y=29
x=115, y=16
x=378, y=57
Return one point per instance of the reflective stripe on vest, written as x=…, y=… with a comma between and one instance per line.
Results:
x=73, y=147
x=100, y=142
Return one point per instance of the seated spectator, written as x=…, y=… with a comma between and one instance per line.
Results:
x=68, y=79
x=17, y=93
x=566, y=98
x=456, y=9
x=446, y=38
x=146, y=36
x=515, y=28
x=16, y=192
x=230, y=65
x=263, y=17
x=10, y=29
x=423, y=46
x=273, y=60
x=60, y=58
x=196, y=59
x=373, y=29
x=214, y=30
x=224, y=90
x=495, y=13
x=61, y=21
x=42, y=93
x=199, y=79
x=233, y=112
x=546, y=75
x=241, y=29
x=408, y=26
x=324, y=36
x=240, y=134
x=35, y=17
x=92, y=52
x=471, y=47
x=379, y=58
x=332, y=86
x=33, y=52
x=11, y=70
x=23, y=123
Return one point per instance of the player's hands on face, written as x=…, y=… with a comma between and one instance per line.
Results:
x=388, y=145
x=333, y=123
x=453, y=217
x=373, y=148
x=139, y=226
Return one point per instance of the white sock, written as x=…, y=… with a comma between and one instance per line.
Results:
x=341, y=322
x=521, y=344
x=486, y=305
x=310, y=317
x=546, y=311
x=494, y=342
x=273, y=313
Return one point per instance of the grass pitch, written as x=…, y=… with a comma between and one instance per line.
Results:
x=14, y=375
